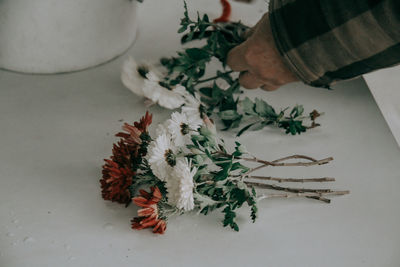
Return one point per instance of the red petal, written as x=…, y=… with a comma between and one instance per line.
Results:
x=141, y=202
x=156, y=193
x=145, y=194
x=149, y=222
x=123, y=135
x=144, y=122
x=136, y=223
x=160, y=227
x=146, y=212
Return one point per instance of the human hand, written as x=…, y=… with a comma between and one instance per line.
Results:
x=259, y=61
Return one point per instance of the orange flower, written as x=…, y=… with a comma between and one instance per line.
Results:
x=149, y=214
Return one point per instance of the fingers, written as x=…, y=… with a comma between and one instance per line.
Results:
x=236, y=60
x=249, y=80
x=269, y=87
x=253, y=59
x=250, y=31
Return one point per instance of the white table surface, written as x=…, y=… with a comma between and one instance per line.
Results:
x=56, y=130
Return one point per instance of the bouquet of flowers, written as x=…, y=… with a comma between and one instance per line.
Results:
x=168, y=82
x=187, y=167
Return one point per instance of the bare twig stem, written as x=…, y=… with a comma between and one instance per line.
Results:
x=319, y=193
x=296, y=157
x=291, y=180
x=306, y=194
x=323, y=199
x=287, y=189
x=279, y=163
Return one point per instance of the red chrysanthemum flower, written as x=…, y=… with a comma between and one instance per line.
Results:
x=149, y=214
x=115, y=182
x=121, y=154
x=136, y=136
x=127, y=155
x=132, y=137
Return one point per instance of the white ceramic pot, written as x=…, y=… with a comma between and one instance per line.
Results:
x=53, y=36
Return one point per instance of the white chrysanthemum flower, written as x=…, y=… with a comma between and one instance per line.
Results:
x=134, y=75
x=180, y=185
x=192, y=108
x=170, y=98
x=181, y=127
x=162, y=156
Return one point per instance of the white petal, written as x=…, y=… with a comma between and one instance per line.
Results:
x=166, y=98
x=131, y=78
x=192, y=109
x=156, y=156
x=162, y=128
x=152, y=90
x=180, y=185
x=170, y=99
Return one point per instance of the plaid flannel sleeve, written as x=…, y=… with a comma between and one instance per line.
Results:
x=323, y=41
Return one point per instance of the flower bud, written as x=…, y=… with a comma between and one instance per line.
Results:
x=195, y=151
x=209, y=124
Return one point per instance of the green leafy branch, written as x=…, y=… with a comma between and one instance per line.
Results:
x=224, y=182
x=189, y=68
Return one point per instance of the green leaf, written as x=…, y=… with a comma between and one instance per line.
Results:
x=229, y=115
x=203, y=201
x=253, y=192
x=246, y=128
x=254, y=212
x=207, y=91
x=240, y=196
x=182, y=29
x=197, y=54
x=248, y=106
x=229, y=218
x=264, y=109
x=239, y=150
x=293, y=126
x=237, y=166
x=224, y=173
x=297, y=111
x=260, y=126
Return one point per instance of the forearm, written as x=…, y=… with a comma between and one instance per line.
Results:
x=323, y=41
